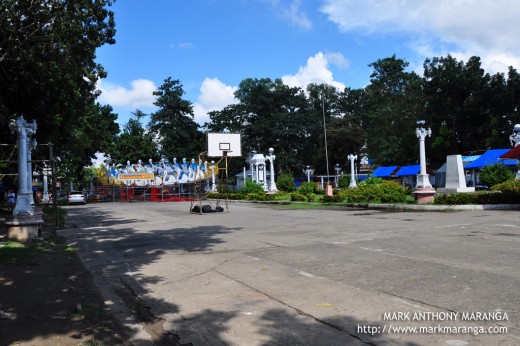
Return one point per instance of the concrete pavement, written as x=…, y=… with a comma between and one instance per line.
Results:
x=278, y=276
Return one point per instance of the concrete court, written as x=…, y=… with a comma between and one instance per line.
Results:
x=273, y=276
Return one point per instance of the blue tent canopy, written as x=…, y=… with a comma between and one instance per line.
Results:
x=383, y=172
x=408, y=170
x=489, y=158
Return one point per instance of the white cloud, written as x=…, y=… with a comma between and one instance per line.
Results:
x=140, y=95
x=293, y=12
x=486, y=28
x=316, y=71
x=214, y=95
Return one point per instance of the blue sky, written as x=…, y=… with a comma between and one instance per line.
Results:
x=212, y=45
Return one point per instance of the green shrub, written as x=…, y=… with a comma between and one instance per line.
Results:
x=298, y=197
x=331, y=199
x=307, y=188
x=510, y=185
x=495, y=174
x=254, y=196
x=371, y=181
x=251, y=186
x=285, y=182
x=344, y=181
x=382, y=192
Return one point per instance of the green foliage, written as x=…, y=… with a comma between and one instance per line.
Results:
x=495, y=174
x=332, y=199
x=179, y=134
x=481, y=197
x=252, y=187
x=299, y=197
x=134, y=143
x=344, y=181
x=256, y=196
x=285, y=182
x=512, y=185
x=307, y=188
x=371, y=181
x=47, y=53
x=384, y=192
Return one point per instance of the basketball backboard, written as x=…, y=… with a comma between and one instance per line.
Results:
x=224, y=144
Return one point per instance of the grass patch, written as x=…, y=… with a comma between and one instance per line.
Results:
x=17, y=253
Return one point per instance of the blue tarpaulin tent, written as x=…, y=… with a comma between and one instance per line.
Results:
x=383, y=172
x=489, y=158
x=408, y=170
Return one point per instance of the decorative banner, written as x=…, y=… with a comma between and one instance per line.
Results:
x=136, y=176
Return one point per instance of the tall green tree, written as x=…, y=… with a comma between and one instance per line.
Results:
x=48, y=73
x=47, y=62
x=394, y=101
x=461, y=105
x=173, y=125
x=323, y=110
x=274, y=115
x=134, y=143
x=95, y=131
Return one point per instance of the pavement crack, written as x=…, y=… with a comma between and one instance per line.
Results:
x=142, y=312
x=299, y=311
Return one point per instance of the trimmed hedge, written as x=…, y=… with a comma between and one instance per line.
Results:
x=481, y=197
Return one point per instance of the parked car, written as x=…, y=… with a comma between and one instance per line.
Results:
x=76, y=197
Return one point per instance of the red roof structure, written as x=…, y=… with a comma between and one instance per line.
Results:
x=512, y=154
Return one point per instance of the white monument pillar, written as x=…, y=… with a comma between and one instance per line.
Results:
x=352, y=158
x=455, y=179
x=271, y=158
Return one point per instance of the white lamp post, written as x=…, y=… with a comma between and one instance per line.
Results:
x=338, y=170
x=213, y=185
x=271, y=158
x=352, y=173
x=422, y=178
x=308, y=170
x=325, y=135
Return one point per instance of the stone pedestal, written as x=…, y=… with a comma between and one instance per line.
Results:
x=23, y=227
x=424, y=195
x=455, y=179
